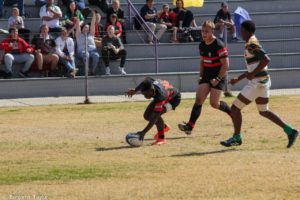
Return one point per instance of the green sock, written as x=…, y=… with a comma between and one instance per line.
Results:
x=237, y=137
x=288, y=129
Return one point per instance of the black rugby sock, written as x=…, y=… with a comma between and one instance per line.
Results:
x=196, y=111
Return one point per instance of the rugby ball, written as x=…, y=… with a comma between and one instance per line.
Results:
x=133, y=140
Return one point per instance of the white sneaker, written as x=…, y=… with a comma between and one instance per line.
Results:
x=107, y=71
x=122, y=71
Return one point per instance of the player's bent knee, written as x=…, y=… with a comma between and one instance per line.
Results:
x=146, y=117
x=239, y=104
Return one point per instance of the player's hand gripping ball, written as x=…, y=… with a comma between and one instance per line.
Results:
x=134, y=140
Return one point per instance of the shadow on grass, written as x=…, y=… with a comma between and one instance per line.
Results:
x=112, y=148
x=204, y=153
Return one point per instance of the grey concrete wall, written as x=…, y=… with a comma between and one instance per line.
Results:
x=116, y=85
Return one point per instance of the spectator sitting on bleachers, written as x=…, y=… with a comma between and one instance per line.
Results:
x=11, y=3
x=223, y=19
x=50, y=15
x=45, y=52
x=113, y=21
x=150, y=15
x=185, y=18
x=80, y=4
x=65, y=49
x=166, y=19
x=102, y=4
x=16, y=21
x=16, y=51
x=113, y=48
x=81, y=34
x=116, y=9
x=71, y=16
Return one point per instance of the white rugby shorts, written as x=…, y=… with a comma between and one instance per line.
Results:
x=255, y=89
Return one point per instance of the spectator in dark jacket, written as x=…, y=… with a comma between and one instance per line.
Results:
x=185, y=18
x=151, y=16
x=45, y=52
x=223, y=19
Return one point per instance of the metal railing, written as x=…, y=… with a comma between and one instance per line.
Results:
x=144, y=25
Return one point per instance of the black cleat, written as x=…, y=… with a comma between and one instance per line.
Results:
x=231, y=142
x=185, y=128
x=292, y=138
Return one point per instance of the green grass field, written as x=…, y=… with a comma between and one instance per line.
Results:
x=78, y=152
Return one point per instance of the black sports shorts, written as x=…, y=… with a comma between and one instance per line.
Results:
x=220, y=86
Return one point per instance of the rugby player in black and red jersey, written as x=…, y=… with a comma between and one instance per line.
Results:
x=165, y=98
x=213, y=67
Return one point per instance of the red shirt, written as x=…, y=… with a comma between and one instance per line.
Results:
x=22, y=45
x=118, y=27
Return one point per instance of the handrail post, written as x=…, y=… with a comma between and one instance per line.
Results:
x=87, y=100
x=129, y=12
x=146, y=28
x=156, y=55
x=227, y=92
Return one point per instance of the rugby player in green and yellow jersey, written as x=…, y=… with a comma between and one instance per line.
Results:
x=257, y=89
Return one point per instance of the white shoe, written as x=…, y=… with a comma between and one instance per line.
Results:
x=107, y=71
x=122, y=71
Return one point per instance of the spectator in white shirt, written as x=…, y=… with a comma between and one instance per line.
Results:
x=65, y=49
x=16, y=21
x=50, y=15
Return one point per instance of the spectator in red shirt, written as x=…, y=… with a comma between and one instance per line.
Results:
x=166, y=19
x=113, y=20
x=16, y=51
x=115, y=8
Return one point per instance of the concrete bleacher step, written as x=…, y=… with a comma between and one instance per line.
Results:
x=187, y=64
x=208, y=10
x=263, y=32
x=249, y=5
x=116, y=85
x=138, y=37
x=210, y=7
x=191, y=49
x=262, y=18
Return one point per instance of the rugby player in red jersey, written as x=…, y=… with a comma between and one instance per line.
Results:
x=165, y=98
x=213, y=67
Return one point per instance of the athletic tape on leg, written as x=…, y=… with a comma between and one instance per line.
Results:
x=239, y=104
x=262, y=107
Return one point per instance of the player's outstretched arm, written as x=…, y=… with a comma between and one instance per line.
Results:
x=235, y=80
x=130, y=92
